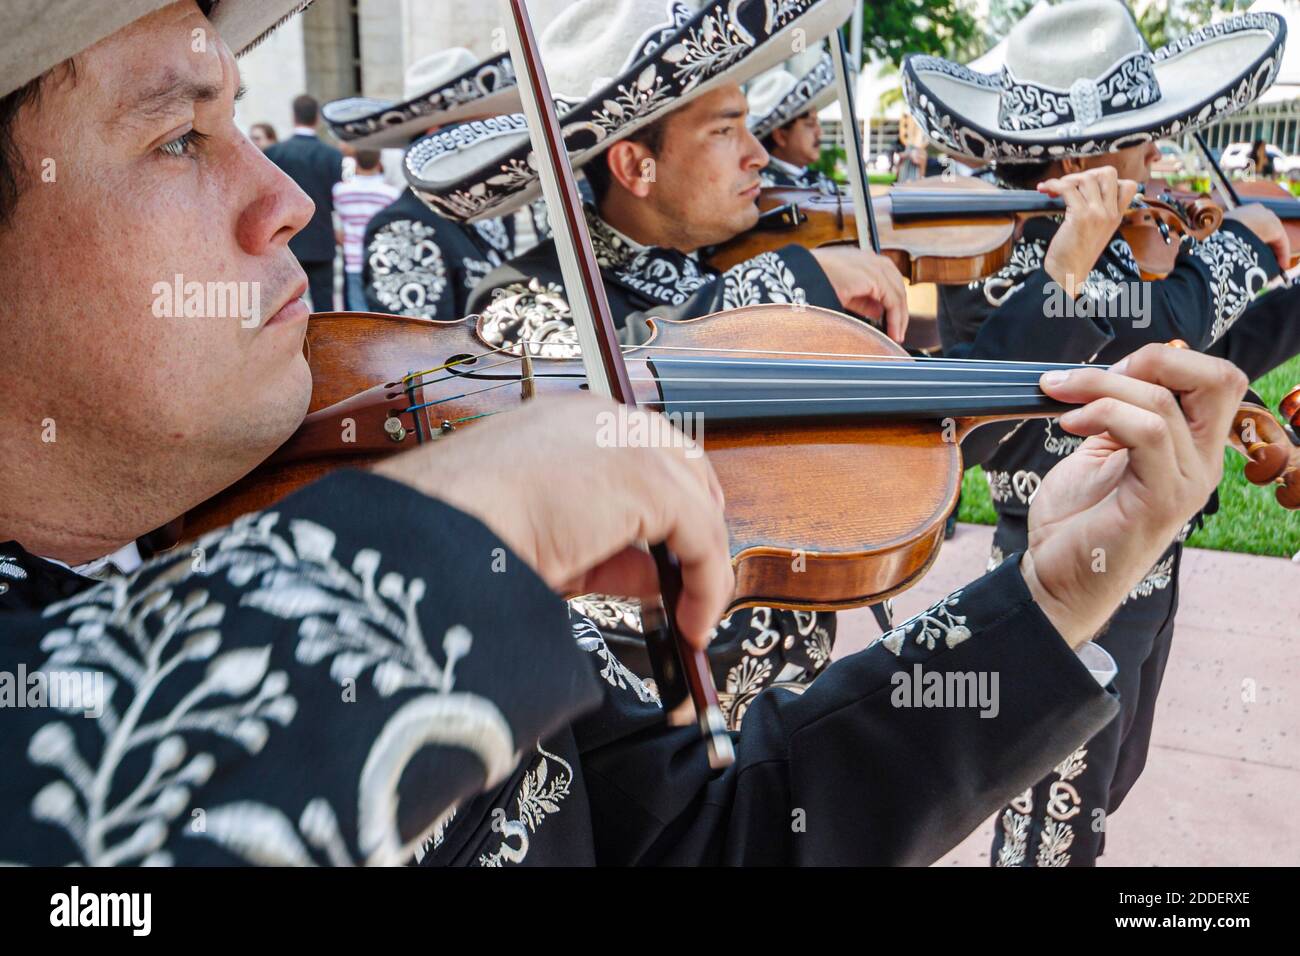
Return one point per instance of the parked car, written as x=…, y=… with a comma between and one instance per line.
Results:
x=1236, y=158
x=1171, y=161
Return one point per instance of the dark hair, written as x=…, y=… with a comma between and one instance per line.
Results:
x=12, y=179
x=598, y=172
x=266, y=128
x=306, y=111
x=1023, y=175
x=367, y=158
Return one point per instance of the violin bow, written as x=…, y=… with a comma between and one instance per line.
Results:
x=868, y=234
x=682, y=672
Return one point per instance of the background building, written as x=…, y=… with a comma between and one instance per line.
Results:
x=347, y=47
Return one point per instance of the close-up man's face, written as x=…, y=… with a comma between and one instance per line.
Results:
x=137, y=186
x=706, y=171
x=800, y=142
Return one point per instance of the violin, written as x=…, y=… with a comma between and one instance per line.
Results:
x=955, y=232
x=800, y=438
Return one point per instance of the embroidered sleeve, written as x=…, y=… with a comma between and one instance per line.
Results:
x=288, y=691
x=1238, y=273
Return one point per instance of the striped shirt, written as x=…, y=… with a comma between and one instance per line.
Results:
x=357, y=200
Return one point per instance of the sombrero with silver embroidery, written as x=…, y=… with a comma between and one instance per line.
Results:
x=801, y=85
x=447, y=87
x=1079, y=79
x=647, y=58
x=37, y=35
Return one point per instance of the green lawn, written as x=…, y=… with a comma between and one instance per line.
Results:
x=1249, y=519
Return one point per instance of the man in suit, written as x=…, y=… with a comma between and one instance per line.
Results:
x=315, y=167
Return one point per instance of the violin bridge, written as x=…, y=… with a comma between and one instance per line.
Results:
x=527, y=382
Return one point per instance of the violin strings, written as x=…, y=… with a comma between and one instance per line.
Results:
x=651, y=348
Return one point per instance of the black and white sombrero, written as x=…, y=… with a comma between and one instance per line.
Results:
x=447, y=87
x=36, y=35
x=1079, y=80
x=613, y=66
x=801, y=85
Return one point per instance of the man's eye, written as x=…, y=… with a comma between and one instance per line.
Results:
x=184, y=145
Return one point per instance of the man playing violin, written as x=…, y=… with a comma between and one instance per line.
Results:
x=1089, y=303
x=381, y=665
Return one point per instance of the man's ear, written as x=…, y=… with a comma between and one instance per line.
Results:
x=632, y=166
x=781, y=137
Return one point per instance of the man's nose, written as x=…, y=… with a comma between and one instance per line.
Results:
x=756, y=156
x=278, y=211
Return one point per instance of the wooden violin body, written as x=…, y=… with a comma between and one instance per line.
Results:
x=821, y=516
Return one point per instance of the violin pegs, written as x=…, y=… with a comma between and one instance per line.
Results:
x=1267, y=463
x=1288, y=493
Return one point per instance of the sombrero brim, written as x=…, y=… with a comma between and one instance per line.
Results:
x=814, y=91
x=1214, y=71
x=485, y=90
x=37, y=35
x=484, y=169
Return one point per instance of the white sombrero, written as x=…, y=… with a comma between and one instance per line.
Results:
x=37, y=35
x=800, y=85
x=444, y=88
x=1079, y=79
x=614, y=66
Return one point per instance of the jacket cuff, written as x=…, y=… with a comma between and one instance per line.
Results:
x=1263, y=252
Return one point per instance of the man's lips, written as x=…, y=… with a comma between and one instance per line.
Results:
x=293, y=310
x=753, y=191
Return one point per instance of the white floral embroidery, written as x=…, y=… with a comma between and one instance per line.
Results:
x=1157, y=579
x=764, y=278
x=528, y=315
x=1226, y=254
x=407, y=272
x=615, y=673
x=939, y=621
x=139, y=637
x=540, y=795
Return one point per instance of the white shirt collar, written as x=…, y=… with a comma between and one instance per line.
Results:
x=124, y=560
x=304, y=131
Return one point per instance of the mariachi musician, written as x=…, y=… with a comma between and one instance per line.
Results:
x=416, y=262
x=381, y=664
x=783, y=106
x=1080, y=120
x=669, y=178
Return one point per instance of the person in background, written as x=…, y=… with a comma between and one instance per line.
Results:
x=1263, y=162
x=357, y=200
x=315, y=167
x=263, y=136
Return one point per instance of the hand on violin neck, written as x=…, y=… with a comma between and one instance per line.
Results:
x=1103, y=516
x=867, y=285
x=1267, y=227
x=1095, y=203
x=572, y=485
